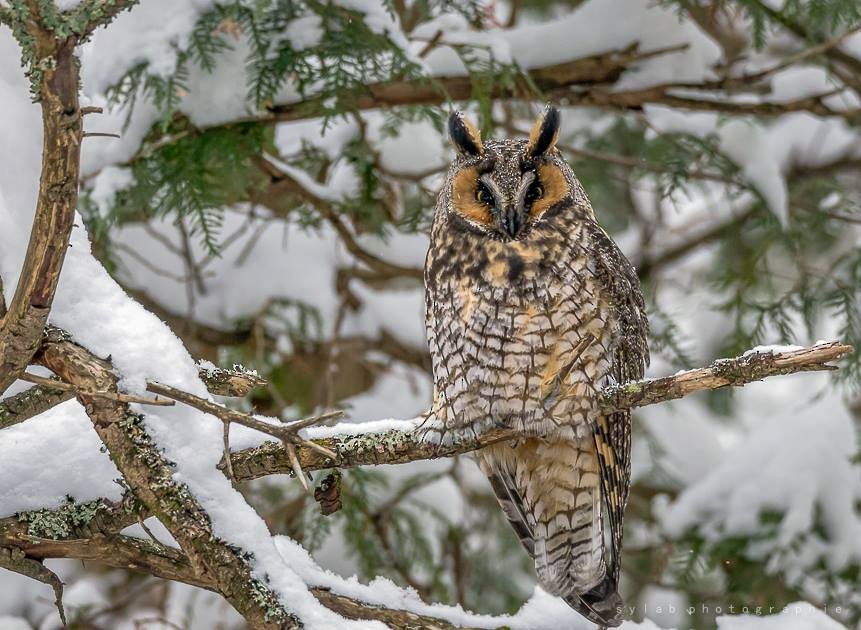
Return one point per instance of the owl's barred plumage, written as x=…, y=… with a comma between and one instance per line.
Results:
x=531, y=309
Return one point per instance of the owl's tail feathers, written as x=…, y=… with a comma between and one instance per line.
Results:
x=560, y=524
x=601, y=605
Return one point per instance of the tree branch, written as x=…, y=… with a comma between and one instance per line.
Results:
x=399, y=447
x=162, y=561
x=91, y=14
x=21, y=328
x=31, y=402
x=14, y=559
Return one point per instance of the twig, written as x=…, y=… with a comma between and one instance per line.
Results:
x=736, y=372
x=284, y=432
x=100, y=134
x=126, y=398
x=30, y=403
x=14, y=559
x=225, y=438
x=296, y=466
x=807, y=53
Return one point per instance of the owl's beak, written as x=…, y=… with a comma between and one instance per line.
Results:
x=510, y=220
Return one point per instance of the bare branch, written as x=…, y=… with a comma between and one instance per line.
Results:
x=31, y=402
x=736, y=372
x=100, y=134
x=14, y=559
x=21, y=328
x=283, y=183
x=126, y=398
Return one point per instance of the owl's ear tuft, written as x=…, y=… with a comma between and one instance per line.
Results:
x=464, y=135
x=545, y=132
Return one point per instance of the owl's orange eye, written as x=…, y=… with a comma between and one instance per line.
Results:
x=482, y=195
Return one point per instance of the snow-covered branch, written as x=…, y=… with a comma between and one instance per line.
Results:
x=26, y=552
x=150, y=476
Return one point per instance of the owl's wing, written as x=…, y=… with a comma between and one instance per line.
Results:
x=628, y=362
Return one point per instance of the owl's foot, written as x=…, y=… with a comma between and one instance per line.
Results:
x=434, y=429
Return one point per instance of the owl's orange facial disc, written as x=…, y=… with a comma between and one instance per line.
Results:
x=553, y=189
x=470, y=199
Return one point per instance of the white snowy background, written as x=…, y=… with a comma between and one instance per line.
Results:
x=786, y=449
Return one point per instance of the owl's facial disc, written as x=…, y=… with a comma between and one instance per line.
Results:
x=510, y=212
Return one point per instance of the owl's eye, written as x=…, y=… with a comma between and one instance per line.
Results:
x=535, y=192
x=482, y=195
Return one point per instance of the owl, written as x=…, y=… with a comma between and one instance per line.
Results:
x=531, y=309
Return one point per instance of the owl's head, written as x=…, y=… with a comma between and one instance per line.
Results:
x=504, y=187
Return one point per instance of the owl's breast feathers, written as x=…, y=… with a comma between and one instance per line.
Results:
x=521, y=333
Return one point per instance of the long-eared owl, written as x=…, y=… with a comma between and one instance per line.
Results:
x=531, y=309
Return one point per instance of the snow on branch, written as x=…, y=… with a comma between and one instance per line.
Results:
x=150, y=476
x=49, y=393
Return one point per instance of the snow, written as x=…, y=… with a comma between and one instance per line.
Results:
x=592, y=28
x=30, y=451
x=13, y=623
x=541, y=612
x=772, y=349
x=794, y=616
x=808, y=474
x=304, y=32
x=745, y=142
x=110, y=181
